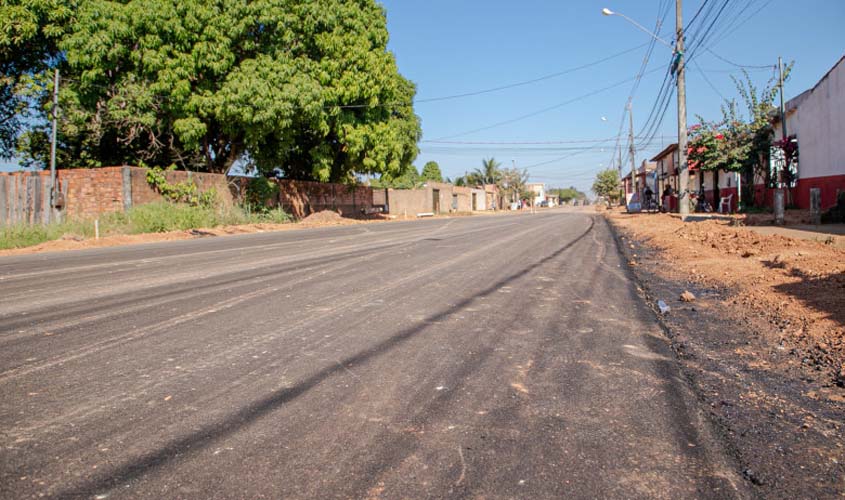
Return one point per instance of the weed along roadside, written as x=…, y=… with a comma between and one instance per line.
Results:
x=124, y=205
x=756, y=322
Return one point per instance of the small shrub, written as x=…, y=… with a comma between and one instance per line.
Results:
x=259, y=192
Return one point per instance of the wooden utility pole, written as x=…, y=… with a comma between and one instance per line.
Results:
x=619, y=169
x=632, y=150
x=53, y=191
x=683, y=167
x=779, y=193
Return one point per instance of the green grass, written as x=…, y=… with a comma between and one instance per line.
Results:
x=151, y=218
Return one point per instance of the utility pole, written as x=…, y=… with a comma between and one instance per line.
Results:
x=53, y=191
x=634, y=189
x=619, y=170
x=683, y=167
x=779, y=193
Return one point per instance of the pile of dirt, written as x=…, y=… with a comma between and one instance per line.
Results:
x=324, y=217
x=797, y=286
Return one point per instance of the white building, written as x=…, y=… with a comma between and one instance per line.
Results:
x=539, y=190
x=817, y=119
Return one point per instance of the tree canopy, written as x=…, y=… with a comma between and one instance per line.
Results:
x=306, y=87
x=408, y=178
x=431, y=172
x=30, y=31
x=568, y=194
x=607, y=184
x=736, y=143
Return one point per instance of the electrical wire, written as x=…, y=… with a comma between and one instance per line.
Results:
x=540, y=111
x=529, y=82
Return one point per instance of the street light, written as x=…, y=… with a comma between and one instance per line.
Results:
x=678, y=49
x=608, y=12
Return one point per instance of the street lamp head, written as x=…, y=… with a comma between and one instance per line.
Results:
x=607, y=12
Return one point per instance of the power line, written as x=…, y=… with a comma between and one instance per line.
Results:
x=540, y=111
x=744, y=66
x=528, y=82
x=664, y=8
x=577, y=141
x=737, y=23
x=697, y=13
x=706, y=79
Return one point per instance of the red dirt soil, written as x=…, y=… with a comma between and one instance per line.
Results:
x=797, y=286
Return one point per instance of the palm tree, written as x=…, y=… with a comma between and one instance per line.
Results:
x=489, y=172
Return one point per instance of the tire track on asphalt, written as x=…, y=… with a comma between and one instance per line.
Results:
x=231, y=352
x=220, y=306
x=198, y=439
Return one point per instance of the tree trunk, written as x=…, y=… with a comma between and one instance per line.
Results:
x=716, y=195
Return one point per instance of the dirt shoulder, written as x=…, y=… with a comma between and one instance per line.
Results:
x=763, y=342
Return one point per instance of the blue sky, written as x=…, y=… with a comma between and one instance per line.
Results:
x=455, y=47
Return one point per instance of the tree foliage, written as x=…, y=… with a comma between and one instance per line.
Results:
x=489, y=173
x=431, y=172
x=738, y=143
x=568, y=194
x=512, y=183
x=408, y=178
x=307, y=87
x=607, y=184
x=30, y=31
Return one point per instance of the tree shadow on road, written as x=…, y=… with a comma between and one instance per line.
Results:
x=209, y=434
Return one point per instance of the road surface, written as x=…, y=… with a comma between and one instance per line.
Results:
x=483, y=357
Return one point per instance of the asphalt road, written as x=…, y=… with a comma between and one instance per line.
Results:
x=484, y=357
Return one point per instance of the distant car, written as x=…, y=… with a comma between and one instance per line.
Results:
x=514, y=206
x=543, y=203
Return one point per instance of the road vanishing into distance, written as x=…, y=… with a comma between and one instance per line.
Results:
x=484, y=357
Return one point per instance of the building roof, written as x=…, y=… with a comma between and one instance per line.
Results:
x=793, y=104
x=671, y=148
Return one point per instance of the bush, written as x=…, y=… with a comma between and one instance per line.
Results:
x=259, y=192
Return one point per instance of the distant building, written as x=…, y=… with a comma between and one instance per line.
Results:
x=645, y=174
x=539, y=190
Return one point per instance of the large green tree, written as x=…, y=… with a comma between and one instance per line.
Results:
x=431, y=172
x=307, y=87
x=606, y=184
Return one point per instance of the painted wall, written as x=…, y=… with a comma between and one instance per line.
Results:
x=817, y=119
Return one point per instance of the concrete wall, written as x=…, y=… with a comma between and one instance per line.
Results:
x=452, y=199
x=480, y=199
x=409, y=201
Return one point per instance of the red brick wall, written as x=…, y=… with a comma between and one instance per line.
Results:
x=90, y=192
x=142, y=193
x=302, y=198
